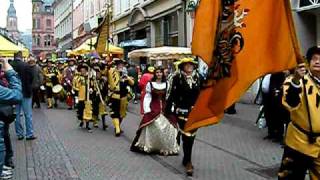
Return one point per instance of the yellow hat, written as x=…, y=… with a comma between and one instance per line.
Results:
x=151, y=69
x=186, y=60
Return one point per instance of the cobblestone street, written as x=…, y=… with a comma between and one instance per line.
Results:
x=232, y=150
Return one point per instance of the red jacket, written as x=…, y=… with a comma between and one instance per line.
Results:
x=145, y=78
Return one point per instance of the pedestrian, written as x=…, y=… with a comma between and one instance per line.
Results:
x=156, y=134
x=119, y=81
x=26, y=76
x=9, y=96
x=133, y=72
x=302, y=141
x=37, y=81
x=184, y=91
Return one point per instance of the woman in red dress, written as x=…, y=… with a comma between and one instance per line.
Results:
x=156, y=134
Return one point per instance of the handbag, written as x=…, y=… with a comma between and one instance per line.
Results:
x=7, y=113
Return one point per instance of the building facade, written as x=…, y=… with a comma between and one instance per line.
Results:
x=149, y=23
x=307, y=22
x=12, y=22
x=43, y=43
x=79, y=30
x=63, y=24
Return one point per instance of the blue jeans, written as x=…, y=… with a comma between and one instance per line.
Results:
x=26, y=106
x=2, y=146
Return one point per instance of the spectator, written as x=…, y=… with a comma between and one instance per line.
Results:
x=25, y=73
x=132, y=72
x=37, y=81
x=8, y=96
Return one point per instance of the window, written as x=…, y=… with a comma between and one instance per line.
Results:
x=304, y=3
x=158, y=33
x=36, y=40
x=36, y=23
x=117, y=4
x=173, y=23
x=48, y=22
x=91, y=8
x=47, y=40
x=125, y=5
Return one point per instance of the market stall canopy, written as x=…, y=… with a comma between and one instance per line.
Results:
x=7, y=48
x=88, y=46
x=161, y=53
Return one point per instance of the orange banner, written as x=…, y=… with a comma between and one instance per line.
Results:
x=240, y=40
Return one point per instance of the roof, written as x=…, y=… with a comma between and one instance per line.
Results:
x=11, y=10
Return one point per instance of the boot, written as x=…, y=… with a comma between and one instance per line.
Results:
x=95, y=121
x=189, y=169
x=121, y=131
x=49, y=103
x=116, y=125
x=104, y=126
x=88, y=127
x=55, y=103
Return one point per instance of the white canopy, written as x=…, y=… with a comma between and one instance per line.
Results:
x=161, y=53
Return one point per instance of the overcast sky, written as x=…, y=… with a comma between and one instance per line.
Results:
x=24, y=13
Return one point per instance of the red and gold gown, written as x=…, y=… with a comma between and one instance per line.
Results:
x=156, y=133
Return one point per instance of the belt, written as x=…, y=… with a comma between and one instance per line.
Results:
x=309, y=134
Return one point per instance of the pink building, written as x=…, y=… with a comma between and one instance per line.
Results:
x=42, y=29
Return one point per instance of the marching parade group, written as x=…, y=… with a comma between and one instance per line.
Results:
x=97, y=88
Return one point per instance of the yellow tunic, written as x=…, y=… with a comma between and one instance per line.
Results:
x=49, y=75
x=80, y=86
x=296, y=139
x=114, y=82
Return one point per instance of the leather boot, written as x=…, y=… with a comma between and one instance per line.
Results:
x=189, y=169
x=116, y=125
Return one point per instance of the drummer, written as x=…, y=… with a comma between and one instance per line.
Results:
x=51, y=74
x=60, y=68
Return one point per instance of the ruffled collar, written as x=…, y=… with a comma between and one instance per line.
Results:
x=315, y=79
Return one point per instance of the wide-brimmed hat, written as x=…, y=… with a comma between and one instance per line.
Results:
x=150, y=69
x=118, y=61
x=50, y=60
x=183, y=61
x=32, y=59
x=71, y=59
x=83, y=65
x=97, y=68
x=312, y=51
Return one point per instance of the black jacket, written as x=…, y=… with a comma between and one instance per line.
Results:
x=181, y=95
x=26, y=76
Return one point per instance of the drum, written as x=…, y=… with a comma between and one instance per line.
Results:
x=59, y=92
x=57, y=89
